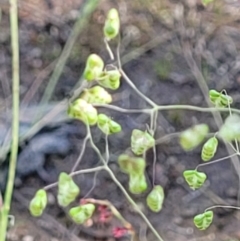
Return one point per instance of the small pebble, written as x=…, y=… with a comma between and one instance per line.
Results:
x=51, y=199
x=178, y=220
x=189, y=231
x=54, y=239
x=172, y=160
x=28, y=238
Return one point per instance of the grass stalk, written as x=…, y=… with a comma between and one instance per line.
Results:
x=80, y=24
x=15, y=119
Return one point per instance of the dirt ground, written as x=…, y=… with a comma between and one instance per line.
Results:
x=173, y=51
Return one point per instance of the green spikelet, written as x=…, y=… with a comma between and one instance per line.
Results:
x=155, y=199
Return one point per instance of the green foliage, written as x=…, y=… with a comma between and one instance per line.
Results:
x=110, y=79
x=38, y=203
x=67, y=190
x=194, y=178
x=112, y=24
x=94, y=67
x=219, y=99
x=194, y=136
x=141, y=141
x=96, y=95
x=132, y=165
x=163, y=67
x=83, y=111
x=135, y=168
x=82, y=213
x=230, y=130
x=137, y=183
x=155, y=198
x=206, y=2
x=108, y=126
x=209, y=149
x=204, y=220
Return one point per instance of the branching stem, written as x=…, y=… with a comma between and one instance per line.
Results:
x=221, y=206
x=215, y=161
x=134, y=205
x=84, y=171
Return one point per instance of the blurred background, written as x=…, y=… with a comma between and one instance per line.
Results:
x=174, y=51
